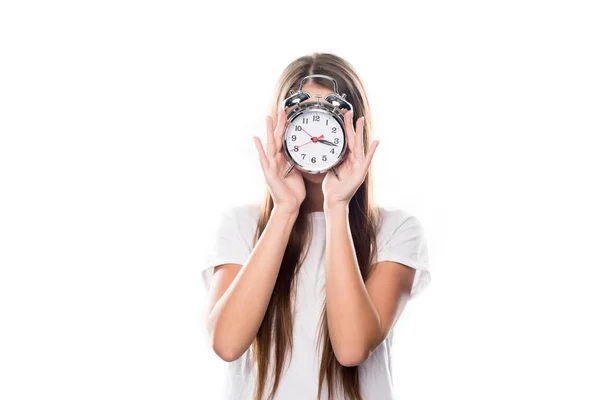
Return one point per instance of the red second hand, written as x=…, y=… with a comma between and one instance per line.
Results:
x=306, y=132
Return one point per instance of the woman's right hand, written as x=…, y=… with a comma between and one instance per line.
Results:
x=289, y=192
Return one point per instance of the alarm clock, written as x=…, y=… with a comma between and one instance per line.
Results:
x=314, y=140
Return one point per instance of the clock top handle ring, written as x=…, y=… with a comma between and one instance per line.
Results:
x=335, y=86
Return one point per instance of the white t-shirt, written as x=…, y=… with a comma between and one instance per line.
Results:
x=400, y=239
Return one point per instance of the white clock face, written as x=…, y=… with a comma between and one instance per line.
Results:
x=315, y=140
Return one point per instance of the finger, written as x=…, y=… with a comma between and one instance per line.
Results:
x=264, y=163
x=282, y=119
x=270, y=141
x=360, y=125
x=350, y=137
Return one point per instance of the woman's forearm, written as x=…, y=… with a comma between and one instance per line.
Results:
x=238, y=314
x=352, y=318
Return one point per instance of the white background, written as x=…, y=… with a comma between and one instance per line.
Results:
x=125, y=126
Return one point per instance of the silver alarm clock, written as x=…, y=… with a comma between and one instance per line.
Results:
x=314, y=140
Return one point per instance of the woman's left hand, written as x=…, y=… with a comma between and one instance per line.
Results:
x=353, y=169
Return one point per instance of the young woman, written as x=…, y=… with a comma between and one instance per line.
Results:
x=304, y=289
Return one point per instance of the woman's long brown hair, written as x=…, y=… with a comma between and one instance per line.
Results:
x=277, y=326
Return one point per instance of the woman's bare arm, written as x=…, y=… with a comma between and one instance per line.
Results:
x=359, y=314
x=239, y=295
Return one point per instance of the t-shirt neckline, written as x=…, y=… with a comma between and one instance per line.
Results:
x=317, y=214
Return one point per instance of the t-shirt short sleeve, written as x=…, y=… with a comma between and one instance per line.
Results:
x=402, y=239
x=229, y=243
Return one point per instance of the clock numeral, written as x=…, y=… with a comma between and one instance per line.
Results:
x=316, y=118
x=293, y=138
x=313, y=160
x=336, y=140
x=295, y=148
x=327, y=122
x=303, y=155
x=334, y=130
x=324, y=158
x=305, y=120
x=332, y=151
x=298, y=128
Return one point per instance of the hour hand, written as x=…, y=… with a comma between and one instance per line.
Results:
x=327, y=142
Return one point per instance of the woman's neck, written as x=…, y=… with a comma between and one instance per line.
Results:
x=314, y=196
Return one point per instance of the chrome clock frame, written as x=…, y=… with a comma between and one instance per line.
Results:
x=336, y=103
